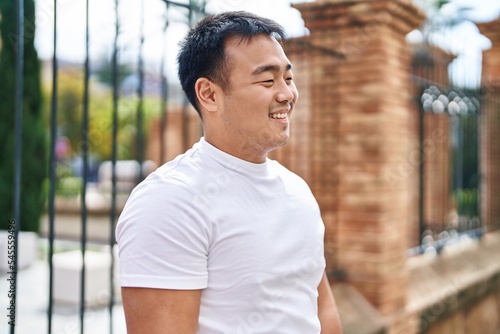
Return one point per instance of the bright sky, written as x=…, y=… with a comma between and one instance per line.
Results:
x=71, y=26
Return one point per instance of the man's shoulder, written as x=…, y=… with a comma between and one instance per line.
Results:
x=183, y=172
x=168, y=190
x=184, y=175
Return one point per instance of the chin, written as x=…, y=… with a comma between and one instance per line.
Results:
x=269, y=140
x=282, y=141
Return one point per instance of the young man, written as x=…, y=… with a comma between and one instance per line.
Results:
x=223, y=239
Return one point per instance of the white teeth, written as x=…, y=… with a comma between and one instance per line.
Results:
x=278, y=116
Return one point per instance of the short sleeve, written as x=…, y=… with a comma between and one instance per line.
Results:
x=162, y=237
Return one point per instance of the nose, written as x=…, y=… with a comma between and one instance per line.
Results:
x=287, y=92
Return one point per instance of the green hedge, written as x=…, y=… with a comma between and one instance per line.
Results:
x=34, y=141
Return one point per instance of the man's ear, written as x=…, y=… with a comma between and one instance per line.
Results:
x=205, y=91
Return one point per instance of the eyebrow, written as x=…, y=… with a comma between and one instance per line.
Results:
x=270, y=68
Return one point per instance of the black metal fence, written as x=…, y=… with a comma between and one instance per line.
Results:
x=451, y=101
x=191, y=9
x=449, y=174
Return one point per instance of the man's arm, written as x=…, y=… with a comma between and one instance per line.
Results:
x=327, y=309
x=161, y=311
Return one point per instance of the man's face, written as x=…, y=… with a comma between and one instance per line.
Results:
x=258, y=104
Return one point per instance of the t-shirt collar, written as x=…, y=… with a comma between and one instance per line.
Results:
x=231, y=162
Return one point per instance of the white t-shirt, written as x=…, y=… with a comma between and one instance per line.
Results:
x=250, y=235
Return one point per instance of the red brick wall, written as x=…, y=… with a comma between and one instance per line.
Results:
x=437, y=164
x=183, y=130
x=490, y=141
x=357, y=111
x=481, y=317
x=431, y=64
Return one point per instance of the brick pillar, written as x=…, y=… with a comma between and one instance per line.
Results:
x=359, y=119
x=490, y=127
x=430, y=64
x=177, y=121
x=296, y=153
x=437, y=178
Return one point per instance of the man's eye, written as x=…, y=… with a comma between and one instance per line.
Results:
x=268, y=81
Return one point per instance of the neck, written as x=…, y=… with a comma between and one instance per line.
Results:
x=237, y=149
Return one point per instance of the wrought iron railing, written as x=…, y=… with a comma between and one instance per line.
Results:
x=449, y=120
x=191, y=7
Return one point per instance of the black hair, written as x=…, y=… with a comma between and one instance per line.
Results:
x=202, y=50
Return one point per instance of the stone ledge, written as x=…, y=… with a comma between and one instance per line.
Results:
x=98, y=203
x=357, y=315
x=438, y=286
x=458, y=277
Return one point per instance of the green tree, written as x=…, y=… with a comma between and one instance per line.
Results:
x=69, y=99
x=104, y=71
x=34, y=149
x=69, y=123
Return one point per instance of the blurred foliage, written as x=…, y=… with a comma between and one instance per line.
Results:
x=69, y=122
x=104, y=71
x=467, y=201
x=34, y=132
x=67, y=184
x=441, y=18
x=466, y=155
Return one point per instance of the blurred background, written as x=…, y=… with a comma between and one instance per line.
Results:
x=396, y=132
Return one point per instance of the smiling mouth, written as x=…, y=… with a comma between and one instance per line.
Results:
x=279, y=116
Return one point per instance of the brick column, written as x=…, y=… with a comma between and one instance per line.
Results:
x=295, y=154
x=430, y=64
x=490, y=127
x=359, y=119
x=177, y=121
x=437, y=178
